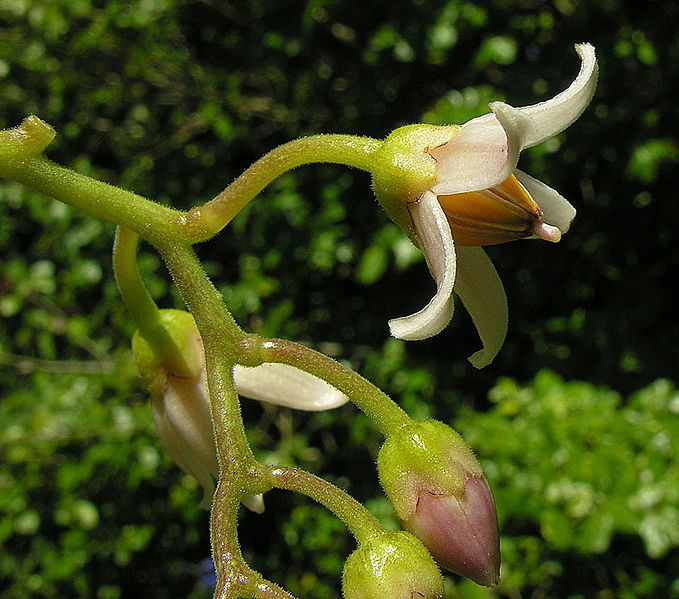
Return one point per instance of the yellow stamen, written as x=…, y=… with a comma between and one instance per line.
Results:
x=490, y=216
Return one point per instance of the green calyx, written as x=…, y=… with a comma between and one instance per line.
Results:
x=403, y=168
x=426, y=455
x=183, y=333
x=394, y=565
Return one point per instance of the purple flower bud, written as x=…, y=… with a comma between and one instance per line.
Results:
x=438, y=489
x=461, y=531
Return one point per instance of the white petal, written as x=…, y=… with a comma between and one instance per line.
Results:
x=558, y=211
x=485, y=152
x=483, y=295
x=183, y=453
x=254, y=503
x=288, y=386
x=436, y=242
x=553, y=116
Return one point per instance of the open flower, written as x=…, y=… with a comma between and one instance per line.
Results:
x=180, y=404
x=477, y=197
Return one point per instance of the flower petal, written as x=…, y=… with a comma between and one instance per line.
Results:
x=557, y=210
x=288, y=386
x=183, y=451
x=255, y=503
x=485, y=152
x=436, y=242
x=461, y=533
x=553, y=116
x=483, y=295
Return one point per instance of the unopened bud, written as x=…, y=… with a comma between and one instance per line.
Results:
x=394, y=565
x=437, y=488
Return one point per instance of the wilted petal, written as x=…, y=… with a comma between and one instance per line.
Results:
x=436, y=242
x=485, y=152
x=483, y=295
x=288, y=386
x=553, y=116
x=557, y=210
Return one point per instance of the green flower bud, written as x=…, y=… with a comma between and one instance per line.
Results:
x=437, y=488
x=394, y=565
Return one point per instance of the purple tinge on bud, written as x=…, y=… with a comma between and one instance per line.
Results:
x=461, y=532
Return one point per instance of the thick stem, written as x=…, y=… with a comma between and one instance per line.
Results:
x=152, y=221
x=376, y=404
x=238, y=469
x=362, y=524
x=350, y=150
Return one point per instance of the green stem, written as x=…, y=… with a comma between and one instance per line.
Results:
x=221, y=339
x=141, y=306
x=152, y=221
x=376, y=404
x=350, y=150
x=362, y=524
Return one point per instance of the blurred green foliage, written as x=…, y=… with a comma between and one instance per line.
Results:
x=173, y=100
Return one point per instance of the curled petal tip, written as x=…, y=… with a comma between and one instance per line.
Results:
x=553, y=116
x=547, y=232
x=436, y=242
x=482, y=293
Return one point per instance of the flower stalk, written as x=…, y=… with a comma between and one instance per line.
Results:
x=376, y=404
x=349, y=150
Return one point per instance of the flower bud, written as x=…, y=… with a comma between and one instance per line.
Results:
x=438, y=489
x=179, y=402
x=181, y=406
x=394, y=565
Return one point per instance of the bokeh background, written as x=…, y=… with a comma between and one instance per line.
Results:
x=577, y=420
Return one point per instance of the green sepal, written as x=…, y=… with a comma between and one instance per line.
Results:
x=428, y=455
x=152, y=367
x=394, y=565
x=403, y=168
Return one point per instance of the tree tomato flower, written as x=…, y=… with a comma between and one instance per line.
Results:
x=476, y=197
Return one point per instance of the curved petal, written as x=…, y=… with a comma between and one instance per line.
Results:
x=557, y=210
x=553, y=116
x=485, y=152
x=483, y=295
x=288, y=386
x=436, y=242
x=181, y=452
x=255, y=503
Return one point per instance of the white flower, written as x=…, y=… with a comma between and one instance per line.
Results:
x=180, y=404
x=479, y=198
